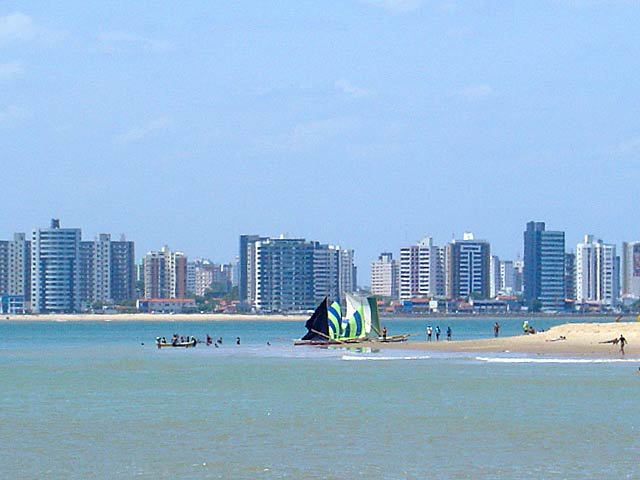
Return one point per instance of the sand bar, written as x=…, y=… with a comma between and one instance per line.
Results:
x=580, y=339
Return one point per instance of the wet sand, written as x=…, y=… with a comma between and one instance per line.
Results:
x=580, y=339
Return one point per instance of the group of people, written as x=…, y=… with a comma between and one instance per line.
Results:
x=430, y=332
x=618, y=341
x=181, y=340
x=527, y=329
x=209, y=341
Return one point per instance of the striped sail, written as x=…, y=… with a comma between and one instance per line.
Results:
x=334, y=313
x=367, y=309
x=353, y=326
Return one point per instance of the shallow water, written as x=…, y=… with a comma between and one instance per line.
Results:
x=88, y=400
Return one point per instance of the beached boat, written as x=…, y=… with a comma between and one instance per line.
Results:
x=327, y=327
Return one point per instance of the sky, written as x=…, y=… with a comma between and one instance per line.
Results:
x=367, y=124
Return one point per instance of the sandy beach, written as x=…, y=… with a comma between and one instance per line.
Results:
x=151, y=317
x=570, y=339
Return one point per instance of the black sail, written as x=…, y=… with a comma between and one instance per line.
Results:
x=318, y=323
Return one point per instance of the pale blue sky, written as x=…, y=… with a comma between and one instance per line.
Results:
x=364, y=123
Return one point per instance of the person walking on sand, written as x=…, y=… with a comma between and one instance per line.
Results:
x=384, y=333
x=496, y=329
x=623, y=342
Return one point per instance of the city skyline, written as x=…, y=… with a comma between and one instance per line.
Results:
x=369, y=123
x=57, y=271
x=363, y=265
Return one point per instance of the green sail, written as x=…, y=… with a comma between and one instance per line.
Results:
x=353, y=326
x=334, y=314
x=367, y=309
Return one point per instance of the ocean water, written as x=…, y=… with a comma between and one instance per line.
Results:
x=97, y=400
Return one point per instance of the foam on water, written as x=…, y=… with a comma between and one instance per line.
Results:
x=361, y=358
x=554, y=360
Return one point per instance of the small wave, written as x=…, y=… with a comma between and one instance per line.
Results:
x=359, y=358
x=554, y=360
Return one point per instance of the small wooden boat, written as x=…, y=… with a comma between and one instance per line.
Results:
x=190, y=343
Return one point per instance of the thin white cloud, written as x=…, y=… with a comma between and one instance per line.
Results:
x=351, y=90
x=20, y=28
x=474, y=92
x=143, y=131
x=396, y=5
x=13, y=114
x=10, y=70
x=310, y=135
x=117, y=42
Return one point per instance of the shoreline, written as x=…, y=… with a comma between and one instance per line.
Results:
x=243, y=317
x=580, y=340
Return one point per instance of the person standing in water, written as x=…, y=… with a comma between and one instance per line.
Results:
x=496, y=329
x=448, y=333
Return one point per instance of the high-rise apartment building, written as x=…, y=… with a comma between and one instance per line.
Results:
x=630, y=269
x=421, y=270
x=55, y=269
x=107, y=270
x=281, y=274
x=518, y=273
x=191, y=278
x=284, y=275
x=208, y=274
x=102, y=270
x=87, y=269
x=15, y=266
x=347, y=272
x=596, y=272
x=544, y=267
x=570, y=276
x=385, y=276
x=202, y=276
x=123, y=270
x=246, y=265
x=507, y=277
x=494, y=276
x=467, y=265
x=4, y=267
x=165, y=274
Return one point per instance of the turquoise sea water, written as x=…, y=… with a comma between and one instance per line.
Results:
x=89, y=400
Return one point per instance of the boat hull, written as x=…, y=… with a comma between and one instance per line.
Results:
x=177, y=345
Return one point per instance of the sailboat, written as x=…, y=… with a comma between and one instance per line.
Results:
x=327, y=327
